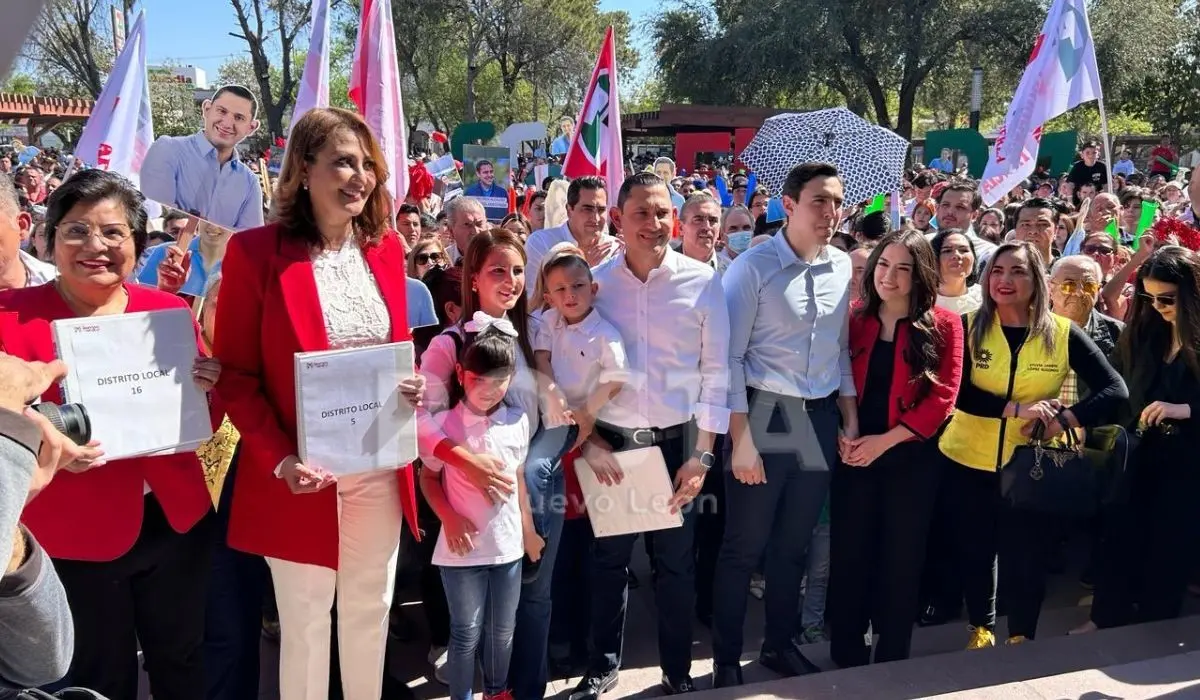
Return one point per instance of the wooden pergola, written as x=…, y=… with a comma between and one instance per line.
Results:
x=670, y=119
x=41, y=114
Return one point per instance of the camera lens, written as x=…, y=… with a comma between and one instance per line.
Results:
x=69, y=419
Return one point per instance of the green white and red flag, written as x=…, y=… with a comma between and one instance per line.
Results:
x=596, y=147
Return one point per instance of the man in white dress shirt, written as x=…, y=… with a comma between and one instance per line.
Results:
x=587, y=215
x=466, y=218
x=671, y=314
x=700, y=222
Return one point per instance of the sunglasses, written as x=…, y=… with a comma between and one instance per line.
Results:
x=1159, y=299
x=1073, y=287
x=1097, y=250
x=425, y=258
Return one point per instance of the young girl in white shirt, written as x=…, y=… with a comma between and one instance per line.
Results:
x=481, y=543
x=580, y=356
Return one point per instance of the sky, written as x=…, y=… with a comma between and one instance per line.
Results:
x=197, y=33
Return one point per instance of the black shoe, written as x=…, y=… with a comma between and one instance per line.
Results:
x=594, y=685
x=726, y=675
x=787, y=663
x=677, y=686
x=932, y=616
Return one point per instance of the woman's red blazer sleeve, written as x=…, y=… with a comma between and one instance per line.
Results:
x=928, y=416
x=239, y=346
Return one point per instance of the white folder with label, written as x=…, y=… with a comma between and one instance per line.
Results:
x=133, y=374
x=640, y=503
x=350, y=413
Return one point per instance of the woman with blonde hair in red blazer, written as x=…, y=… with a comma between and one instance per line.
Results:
x=326, y=273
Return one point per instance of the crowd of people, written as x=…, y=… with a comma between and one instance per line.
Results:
x=835, y=396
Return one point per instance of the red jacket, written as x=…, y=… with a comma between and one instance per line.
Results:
x=267, y=312
x=923, y=418
x=97, y=515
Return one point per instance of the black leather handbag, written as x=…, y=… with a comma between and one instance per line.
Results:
x=1111, y=448
x=1052, y=478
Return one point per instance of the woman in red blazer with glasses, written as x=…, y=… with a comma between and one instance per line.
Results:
x=327, y=273
x=906, y=356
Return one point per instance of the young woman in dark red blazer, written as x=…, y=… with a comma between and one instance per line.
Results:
x=327, y=273
x=906, y=355
x=129, y=538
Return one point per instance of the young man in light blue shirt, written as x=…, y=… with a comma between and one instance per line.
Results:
x=202, y=173
x=790, y=388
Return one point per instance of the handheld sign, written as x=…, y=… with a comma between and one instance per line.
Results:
x=133, y=374
x=350, y=414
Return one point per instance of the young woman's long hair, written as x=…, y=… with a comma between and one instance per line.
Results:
x=1147, y=337
x=921, y=353
x=292, y=205
x=480, y=247
x=1041, y=321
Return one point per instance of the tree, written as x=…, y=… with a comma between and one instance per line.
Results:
x=71, y=48
x=515, y=36
x=173, y=104
x=261, y=21
x=1169, y=94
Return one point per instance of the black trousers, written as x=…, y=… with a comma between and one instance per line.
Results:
x=571, y=594
x=941, y=581
x=155, y=594
x=673, y=588
x=797, y=441
x=433, y=596
x=1027, y=543
x=1150, y=545
x=973, y=504
x=710, y=528
x=879, y=523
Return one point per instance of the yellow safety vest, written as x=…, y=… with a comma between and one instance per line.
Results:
x=988, y=443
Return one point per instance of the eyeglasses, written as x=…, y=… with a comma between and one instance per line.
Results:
x=1159, y=299
x=1097, y=250
x=426, y=258
x=78, y=233
x=1073, y=287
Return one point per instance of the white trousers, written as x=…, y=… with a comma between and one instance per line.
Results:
x=369, y=526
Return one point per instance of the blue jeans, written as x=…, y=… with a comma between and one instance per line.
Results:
x=816, y=579
x=483, y=611
x=546, y=485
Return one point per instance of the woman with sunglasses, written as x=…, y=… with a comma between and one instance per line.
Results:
x=1150, y=541
x=427, y=253
x=1016, y=357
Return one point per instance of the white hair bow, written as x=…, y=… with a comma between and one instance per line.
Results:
x=480, y=322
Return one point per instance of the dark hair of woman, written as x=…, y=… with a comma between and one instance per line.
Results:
x=939, y=241
x=90, y=187
x=489, y=354
x=292, y=206
x=921, y=353
x=478, y=250
x=1148, y=337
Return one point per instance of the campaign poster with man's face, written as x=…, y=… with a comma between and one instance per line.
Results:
x=486, y=176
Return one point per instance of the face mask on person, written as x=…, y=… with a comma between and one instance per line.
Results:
x=739, y=241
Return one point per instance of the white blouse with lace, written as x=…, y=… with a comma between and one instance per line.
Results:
x=354, y=310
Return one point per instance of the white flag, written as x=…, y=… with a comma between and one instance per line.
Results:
x=375, y=90
x=314, y=84
x=121, y=129
x=1061, y=75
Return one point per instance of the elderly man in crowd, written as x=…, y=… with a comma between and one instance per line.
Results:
x=465, y=218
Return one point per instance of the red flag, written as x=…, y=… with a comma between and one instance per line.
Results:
x=375, y=90
x=512, y=199
x=596, y=147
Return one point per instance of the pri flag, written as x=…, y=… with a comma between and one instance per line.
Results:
x=120, y=130
x=375, y=90
x=596, y=147
x=1061, y=75
x=314, y=84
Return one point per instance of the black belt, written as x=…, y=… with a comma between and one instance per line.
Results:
x=645, y=437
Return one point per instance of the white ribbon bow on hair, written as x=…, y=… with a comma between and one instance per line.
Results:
x=480, y=322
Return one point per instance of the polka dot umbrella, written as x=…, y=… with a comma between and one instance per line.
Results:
x=870, y=158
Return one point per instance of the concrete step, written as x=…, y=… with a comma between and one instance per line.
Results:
x=1006, y=672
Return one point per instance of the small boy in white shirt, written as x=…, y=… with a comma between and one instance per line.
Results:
x=580, y=357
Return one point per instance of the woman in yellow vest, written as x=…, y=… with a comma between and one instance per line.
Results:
x=1015, y=359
